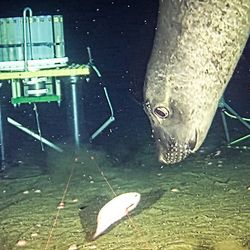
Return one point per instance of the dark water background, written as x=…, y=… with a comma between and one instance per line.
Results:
x=120, y=35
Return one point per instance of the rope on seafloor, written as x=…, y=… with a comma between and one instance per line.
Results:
x=139, y=232
x=58, y=210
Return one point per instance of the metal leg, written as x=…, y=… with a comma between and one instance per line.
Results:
x=2, y=142
x=224, y=121
x=224, y=106
x=73, y=81
x=237, y=115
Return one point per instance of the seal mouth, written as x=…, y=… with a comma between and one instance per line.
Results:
x=193, y=141
x=172, y=152
x=174, y=155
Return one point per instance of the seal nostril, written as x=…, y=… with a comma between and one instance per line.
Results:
x=161, y=112
x=192, y=142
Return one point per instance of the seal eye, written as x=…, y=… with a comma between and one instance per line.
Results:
x=161, y=112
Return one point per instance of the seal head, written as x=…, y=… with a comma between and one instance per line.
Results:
x=170, y=125
x=196, y=48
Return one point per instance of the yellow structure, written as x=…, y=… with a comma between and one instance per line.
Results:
x=73, y=70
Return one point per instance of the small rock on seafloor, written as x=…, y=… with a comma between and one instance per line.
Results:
x=73, y=247
x=21, y=243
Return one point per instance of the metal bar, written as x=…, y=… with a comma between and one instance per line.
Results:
x=240, y=139
x=104, y=125
x=109, y=102
x=75, y=116
x=108, y=121
x=38, y=124
x=223, y=117
x=224, y=106
x=31, y=99
x=2, y=144
x=237, y=115
x=26, y=130
x=84, y=70
x=25, y=28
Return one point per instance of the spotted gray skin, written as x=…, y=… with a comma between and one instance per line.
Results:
x=197, y=46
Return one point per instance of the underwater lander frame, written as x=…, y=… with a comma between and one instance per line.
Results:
x=227, y=111
x=33, y=63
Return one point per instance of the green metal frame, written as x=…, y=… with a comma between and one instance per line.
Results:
x=32, y=99
x=224, y=106
x=71, y=70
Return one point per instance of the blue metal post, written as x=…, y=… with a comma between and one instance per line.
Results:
x=73, y=81
x=2, y=138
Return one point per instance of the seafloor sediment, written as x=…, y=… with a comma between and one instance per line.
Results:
x=203, y=203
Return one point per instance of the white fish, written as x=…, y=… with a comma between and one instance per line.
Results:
x=115, y=210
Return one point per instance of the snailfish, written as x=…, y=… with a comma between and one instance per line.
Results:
x=115, y=210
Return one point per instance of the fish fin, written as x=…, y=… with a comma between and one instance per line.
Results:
x=126, y=211
x=95, y=236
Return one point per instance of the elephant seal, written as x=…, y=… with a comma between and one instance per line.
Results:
x=196, y=48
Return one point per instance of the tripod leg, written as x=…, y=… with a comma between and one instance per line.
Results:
x=223, y=117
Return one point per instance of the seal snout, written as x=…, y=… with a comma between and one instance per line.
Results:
x=172, y=150
x=175, y=155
